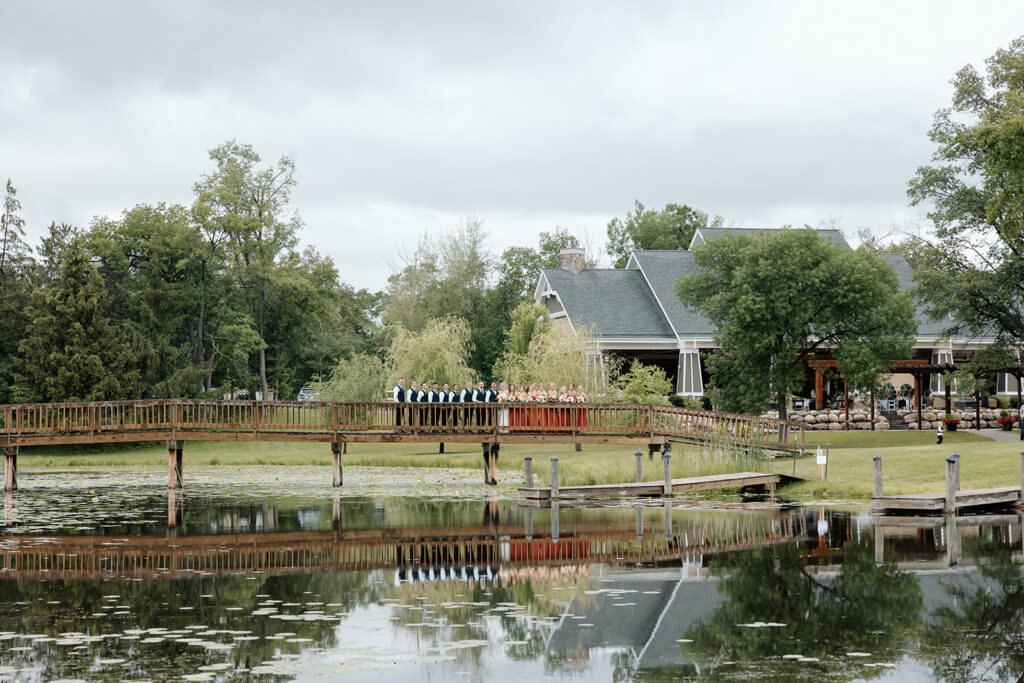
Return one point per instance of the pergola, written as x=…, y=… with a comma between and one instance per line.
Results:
x=920, y=370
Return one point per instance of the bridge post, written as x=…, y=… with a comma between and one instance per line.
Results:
x=956, y=471
x=10, y=468
x=336, y=448
x=175, y=451
x=640, y=467
x=528, y=465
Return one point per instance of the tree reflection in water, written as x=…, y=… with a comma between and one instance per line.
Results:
x=980, y=634
x=864, y=608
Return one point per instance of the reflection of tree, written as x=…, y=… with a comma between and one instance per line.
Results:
x=982, y=636
x=864, y=608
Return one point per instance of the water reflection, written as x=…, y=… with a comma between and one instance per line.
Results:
x=223, y=582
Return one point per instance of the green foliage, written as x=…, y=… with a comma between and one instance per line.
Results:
x=439, y=352
x=557, y=354
x=643, y=384
x=670, y=228
x=356, y=379
x=778, y=297
x=15, y=287
x=974, y=272
x=71, y=352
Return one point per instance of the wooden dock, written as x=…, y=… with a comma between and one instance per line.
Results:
x=950, y=501
x=762, y=480
x=936, y=502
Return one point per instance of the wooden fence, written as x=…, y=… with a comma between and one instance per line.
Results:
x=67, y=423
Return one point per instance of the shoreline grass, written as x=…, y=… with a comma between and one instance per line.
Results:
x=912, y=462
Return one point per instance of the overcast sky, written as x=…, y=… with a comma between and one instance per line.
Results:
x=406, y=117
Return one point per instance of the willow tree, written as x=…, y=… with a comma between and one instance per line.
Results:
x=778, y=298
x=359, y=379
x=439, y=352
x=559, y=354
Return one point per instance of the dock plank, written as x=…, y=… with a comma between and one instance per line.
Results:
x=935, y=502
x=656, y=488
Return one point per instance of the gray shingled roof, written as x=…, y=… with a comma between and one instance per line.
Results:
x=610, y=302
x=926, y=326
x=662, y=269
x=826, y=234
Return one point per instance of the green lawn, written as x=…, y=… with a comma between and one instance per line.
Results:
x=912, y=462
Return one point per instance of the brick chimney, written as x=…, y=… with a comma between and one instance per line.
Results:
x=572, y=258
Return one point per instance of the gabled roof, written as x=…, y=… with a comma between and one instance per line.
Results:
x=702, y=235
x=609, y=302
x=661, y=269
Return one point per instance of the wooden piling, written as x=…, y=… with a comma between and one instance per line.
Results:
x=950, y=503
x=879, y=544
x=10, y=468
x=337, y=479
x=956, y=472
x=554, y=521
x=528, y=466
x=878, y=476
x=640, y=468
x=554, y=477
x=1022, y=484
x=666, y=459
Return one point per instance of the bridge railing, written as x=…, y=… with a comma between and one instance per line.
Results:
x=183, y=416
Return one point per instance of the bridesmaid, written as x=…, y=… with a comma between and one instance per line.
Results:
x=513, y=411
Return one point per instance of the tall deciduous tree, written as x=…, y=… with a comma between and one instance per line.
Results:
x=777, y=298
x=974, y=271
x=670, y=228
x=70, y=351
x=249, y=205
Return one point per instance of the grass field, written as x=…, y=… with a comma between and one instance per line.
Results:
x=912, y=462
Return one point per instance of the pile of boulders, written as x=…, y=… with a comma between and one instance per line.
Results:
x=930, y=419
x=834, y=420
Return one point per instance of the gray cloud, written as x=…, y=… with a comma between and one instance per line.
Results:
x=408, y=116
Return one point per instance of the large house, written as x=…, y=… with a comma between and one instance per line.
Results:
x=633, y=313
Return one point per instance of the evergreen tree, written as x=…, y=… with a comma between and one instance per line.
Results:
x=70, y=351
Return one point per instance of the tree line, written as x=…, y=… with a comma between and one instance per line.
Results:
x=181, y=301
x=217, y=298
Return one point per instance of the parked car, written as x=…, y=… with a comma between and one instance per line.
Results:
x=308, y=393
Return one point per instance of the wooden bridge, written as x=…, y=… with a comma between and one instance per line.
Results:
x=304, y=552
x=491, y=424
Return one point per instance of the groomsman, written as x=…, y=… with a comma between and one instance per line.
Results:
x=434, y=398
x=446, y=400
x=422, y=397
x=398, y=394
x=480, y=396
x=492, y=397
x=456, y=397
x=467, y=397
x=412, y=396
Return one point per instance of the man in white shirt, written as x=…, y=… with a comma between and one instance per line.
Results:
x=398, y=396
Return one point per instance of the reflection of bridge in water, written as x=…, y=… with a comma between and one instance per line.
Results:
x=646, y=540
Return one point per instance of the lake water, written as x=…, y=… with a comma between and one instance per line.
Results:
x=268, y=573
